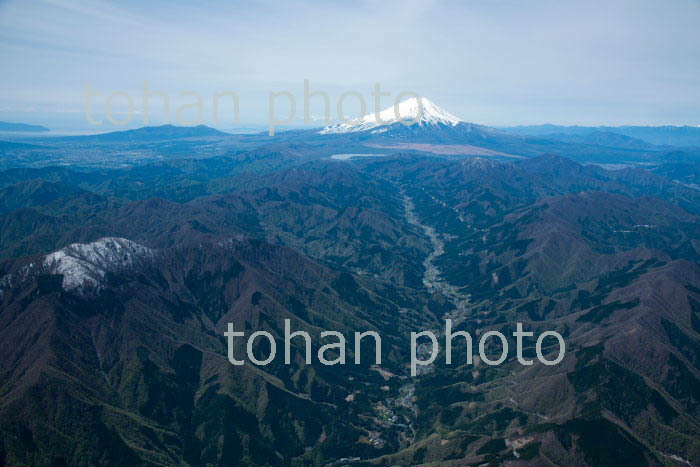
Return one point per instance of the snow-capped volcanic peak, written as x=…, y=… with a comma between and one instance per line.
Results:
x=421, y=111
x=85, y=264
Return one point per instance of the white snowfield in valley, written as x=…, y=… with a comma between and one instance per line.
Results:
x=409, y=110
x=84, y=264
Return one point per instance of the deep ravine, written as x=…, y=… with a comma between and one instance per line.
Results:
x=433, y=277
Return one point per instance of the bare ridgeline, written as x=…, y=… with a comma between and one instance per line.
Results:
x=372, y=292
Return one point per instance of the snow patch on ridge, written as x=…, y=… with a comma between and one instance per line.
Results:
x=424, y=112
x=86, y=264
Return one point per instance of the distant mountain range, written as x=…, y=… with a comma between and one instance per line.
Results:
x=427, y=119
x=434, y=131
x=22, y=128
x=658, y=135
x=152, y=133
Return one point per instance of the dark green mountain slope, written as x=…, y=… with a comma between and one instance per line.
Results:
x=120, y=354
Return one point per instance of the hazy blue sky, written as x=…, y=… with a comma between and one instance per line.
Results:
x=495, y=62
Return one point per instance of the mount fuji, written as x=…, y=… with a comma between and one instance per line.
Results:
x=420, y=121
x=421, y=112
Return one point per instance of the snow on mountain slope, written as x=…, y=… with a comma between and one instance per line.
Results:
x=86, y=264
x=424, y=112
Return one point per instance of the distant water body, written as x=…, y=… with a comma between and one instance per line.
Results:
x=344, y=157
